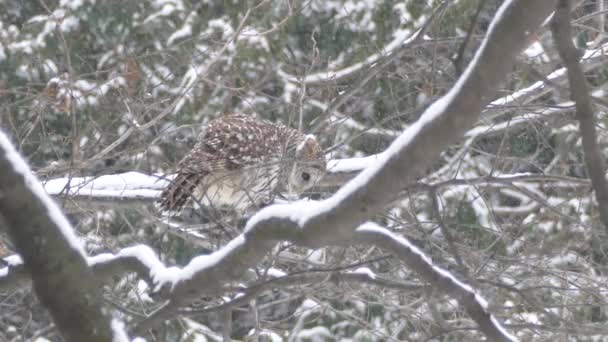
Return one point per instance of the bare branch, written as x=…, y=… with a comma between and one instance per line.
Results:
x=579, y=90
x=306, y=279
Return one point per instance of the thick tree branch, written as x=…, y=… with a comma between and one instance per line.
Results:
x=579, y=92
x=306, y=223
x=333, y=221
x=141, y=260
x=53, y=256
x=442, y=280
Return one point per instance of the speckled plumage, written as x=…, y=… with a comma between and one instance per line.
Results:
x=239, y=160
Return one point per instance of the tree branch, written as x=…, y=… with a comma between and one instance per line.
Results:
x=442, y=280
x=306, y=223
x=579, y=91
x=53, y=256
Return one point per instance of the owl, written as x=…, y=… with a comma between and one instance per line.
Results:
x=240, y=161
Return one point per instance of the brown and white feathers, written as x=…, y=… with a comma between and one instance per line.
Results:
x=239, y=161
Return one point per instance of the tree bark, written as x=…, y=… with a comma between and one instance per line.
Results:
x=62, y=279
x=579, y=92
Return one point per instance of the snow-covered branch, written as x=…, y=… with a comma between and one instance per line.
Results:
x=306, y=223
x=475, y=305
x=336, y=219
x=140, y=259
x=129, y=185
x=591, y=59
x=403, y=39
x=53, y=255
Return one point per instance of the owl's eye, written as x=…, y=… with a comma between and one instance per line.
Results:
x=306, y=176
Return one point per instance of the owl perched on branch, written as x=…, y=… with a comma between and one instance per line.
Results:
x=240, y=161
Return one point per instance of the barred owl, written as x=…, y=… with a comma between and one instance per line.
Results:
x=239, y=161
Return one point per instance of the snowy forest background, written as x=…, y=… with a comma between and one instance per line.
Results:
x=103, y=98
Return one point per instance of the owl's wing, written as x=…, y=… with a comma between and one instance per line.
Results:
x=228, y=144
x=235, y=142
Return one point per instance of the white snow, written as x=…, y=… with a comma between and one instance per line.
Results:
x=125, y=185
x=317, y=256
x=355, y=15
x=275, y=272
x=513, y=97
x=2, y=53
x=162, y=275
x=24, y=46
x=71, y=4
x=11, y=260
x=118, y=331
x=69, y=24
x=293, y=211
x=32, y=183
x=510, y=99
x=366, y=271
x=402, y=37
x=205, y=261
x=185, y=31
x=159, y=273
x=536, y=52
x=372, y=227
x=316, y=334
x=268, y=335
x=252, y=36
x=308, y=306
x=145, y=254
x=352, y=164
x=568, y=258
x=166, y=9
x=300, y=212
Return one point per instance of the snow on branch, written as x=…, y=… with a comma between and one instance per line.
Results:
x=53, y=255
x=335, y=220
x=134, y=185
x=140, y=259
x=403, y=41
x=591, y=59
x=119, y=186
x=307, y=223
x=441, y=279
x=140, y=186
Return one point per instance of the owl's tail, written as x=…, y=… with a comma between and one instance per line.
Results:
x=177, y=194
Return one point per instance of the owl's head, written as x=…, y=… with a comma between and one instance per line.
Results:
x=309, y=166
